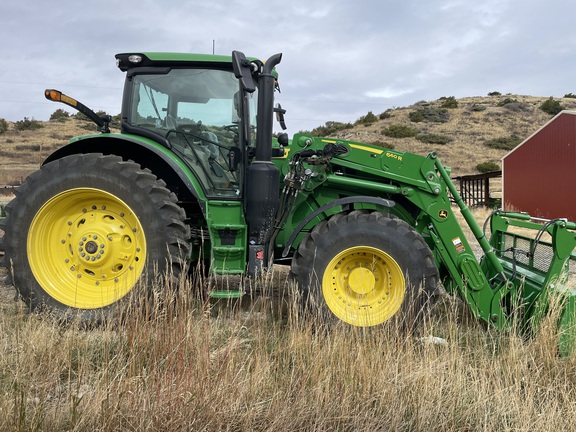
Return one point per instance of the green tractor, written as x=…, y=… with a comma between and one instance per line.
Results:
x=195, y=176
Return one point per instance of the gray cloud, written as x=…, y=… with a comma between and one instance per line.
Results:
x=341, y=59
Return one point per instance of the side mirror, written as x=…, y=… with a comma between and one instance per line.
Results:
x=243, y=71
x=280, y=115
x=234, y=155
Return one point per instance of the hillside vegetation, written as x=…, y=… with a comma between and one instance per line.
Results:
x=465, y=132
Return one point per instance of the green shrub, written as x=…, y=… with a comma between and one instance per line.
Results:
x=495, y=93
x=449, y=102
x=478, y=108
x=570, y=95
x=504, y=143
x=551, y=106
x=385, y=115
x=3, y=125
x=429, y=114
x=506, y=101
x=399, y=131
x=82, y=117
x=60, y=115
x=367, y=120
x=433, y=139
x=329, y=128
x=383, y=144
x=27, y=124
x=485, y=167
x=416, y=116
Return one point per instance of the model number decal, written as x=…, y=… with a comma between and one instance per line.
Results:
x=393, y=156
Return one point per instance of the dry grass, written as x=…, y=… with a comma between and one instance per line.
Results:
x=252, y=366
x=22, y=152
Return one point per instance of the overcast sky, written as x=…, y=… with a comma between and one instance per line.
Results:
x=341, y=58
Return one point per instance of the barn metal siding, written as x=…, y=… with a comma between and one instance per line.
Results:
x=539, y=176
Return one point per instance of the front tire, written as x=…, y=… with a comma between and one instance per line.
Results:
x=366, y=269
x=84, y=230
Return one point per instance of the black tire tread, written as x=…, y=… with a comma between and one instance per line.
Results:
x=302, y=269
x=164, y=202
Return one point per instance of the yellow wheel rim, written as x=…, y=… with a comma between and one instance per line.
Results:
x=86, y=248
x=363, y=286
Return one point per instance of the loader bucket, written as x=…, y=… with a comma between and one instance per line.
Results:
x=535, y=255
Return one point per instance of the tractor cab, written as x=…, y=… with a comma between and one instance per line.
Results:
x=214, y=113
x=194, y=109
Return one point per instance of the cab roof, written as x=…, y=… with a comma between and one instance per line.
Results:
x=127, y=61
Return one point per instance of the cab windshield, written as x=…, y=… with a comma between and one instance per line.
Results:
x=198, y=111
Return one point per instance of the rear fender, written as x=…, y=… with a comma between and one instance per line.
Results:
x=148, y=154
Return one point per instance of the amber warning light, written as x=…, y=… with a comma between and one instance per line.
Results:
x=58, y=96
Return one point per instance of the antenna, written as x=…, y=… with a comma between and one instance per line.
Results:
x=213, y=46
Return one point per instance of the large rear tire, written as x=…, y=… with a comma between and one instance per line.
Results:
x=366, y=269
x=85, y=230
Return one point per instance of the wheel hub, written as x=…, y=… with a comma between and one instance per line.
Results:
x=361, y=280
x=92, y=247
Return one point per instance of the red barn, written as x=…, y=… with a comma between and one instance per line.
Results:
x=539, y=175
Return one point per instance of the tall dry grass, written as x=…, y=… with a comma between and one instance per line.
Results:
x=255, y=365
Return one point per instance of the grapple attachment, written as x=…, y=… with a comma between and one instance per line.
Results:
x=535, y=255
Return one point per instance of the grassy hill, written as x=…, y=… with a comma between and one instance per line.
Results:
x=464, y=136
x=25, y=145
x=460, y=134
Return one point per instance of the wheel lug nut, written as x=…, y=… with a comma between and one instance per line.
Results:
x=102, y=246
x=95, y=237
x=101, y=252
x=63, y=241
x=103, y=207
x=84, y=210
x=66, y=260
x=84, y=239
x=94, y=207
x=97, y=282
x=80, y=249
x=133, y=229
x=69, y=223
x=121, y=214
x=82, y=254
x=98, y=256
x=115, y=279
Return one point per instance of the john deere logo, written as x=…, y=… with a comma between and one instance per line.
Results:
x=443, y=214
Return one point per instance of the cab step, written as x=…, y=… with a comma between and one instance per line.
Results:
x=226, y=294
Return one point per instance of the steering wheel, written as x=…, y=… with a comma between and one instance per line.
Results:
x=231, y=127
